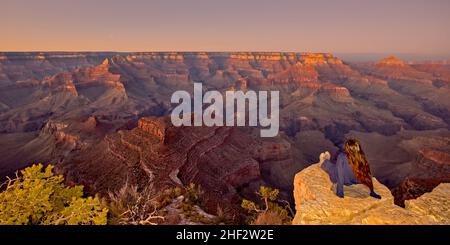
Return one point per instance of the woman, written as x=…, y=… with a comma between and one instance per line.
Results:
x=351, y=167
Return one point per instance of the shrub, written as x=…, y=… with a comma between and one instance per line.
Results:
x=129, y=205
x=38, y=196
x=192, y=194
x=271, y=213
x=132, y=207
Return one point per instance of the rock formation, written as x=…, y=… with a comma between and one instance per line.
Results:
x=102, y=97
x=435, y=204
x=317, y=203
x=227, y=162
x=391, y=60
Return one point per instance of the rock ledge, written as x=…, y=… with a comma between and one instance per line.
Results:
x=316, y=203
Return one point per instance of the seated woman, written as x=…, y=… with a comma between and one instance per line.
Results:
x=351, y=167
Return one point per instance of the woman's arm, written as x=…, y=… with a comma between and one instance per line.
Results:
x=340, y=175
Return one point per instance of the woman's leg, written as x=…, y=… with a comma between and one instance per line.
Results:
x=331, y=169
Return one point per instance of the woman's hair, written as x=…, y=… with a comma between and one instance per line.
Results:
x=357, y=159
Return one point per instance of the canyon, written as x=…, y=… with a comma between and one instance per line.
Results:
x=104, y=119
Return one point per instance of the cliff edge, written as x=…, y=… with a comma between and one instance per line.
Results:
x=316, y=203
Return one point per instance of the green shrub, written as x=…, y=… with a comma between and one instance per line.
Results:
x=271, y=213
x=39, y=196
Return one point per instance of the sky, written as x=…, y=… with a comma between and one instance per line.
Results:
x=336, y=26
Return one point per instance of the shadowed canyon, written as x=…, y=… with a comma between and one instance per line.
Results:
x=104, y=119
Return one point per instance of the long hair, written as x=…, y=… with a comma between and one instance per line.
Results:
x=357, y=159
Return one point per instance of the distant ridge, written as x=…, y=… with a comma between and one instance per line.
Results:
x=391, y=60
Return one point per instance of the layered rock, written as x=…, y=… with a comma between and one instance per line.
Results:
x=57, y=130
x=36, y=65
x=336, y=93
x=219, y=159
x=317, y=203
x=155, y=126
x=308, y=58
x=321, y=100
x=431, y=168
x=391, y=60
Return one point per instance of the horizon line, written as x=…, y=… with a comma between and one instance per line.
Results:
x=218, y=51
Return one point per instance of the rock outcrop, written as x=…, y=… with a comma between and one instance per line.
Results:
x=431, y=168
x=435, y=204
x=391, y=60
x=155, y=126
x=316, y=203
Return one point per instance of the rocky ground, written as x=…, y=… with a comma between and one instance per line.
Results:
x=316, y=203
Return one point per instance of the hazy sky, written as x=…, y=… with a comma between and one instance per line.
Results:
x=347, y=26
